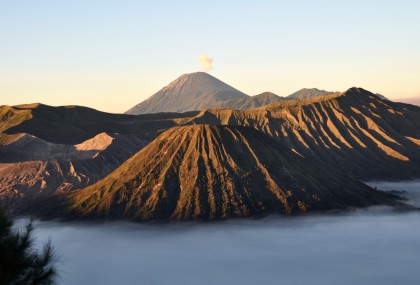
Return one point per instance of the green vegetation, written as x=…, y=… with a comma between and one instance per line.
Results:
x=20, y=261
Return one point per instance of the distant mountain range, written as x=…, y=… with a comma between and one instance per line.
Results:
x=189, y=92
x=249, y=102
x=199, y=91
x=411, y=100
x=243, y=156
x=306, y=93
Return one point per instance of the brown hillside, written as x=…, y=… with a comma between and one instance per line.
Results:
x=76, y=124
x=354, y=131
x=45, y=149
x=33, y=169
x=215, y=172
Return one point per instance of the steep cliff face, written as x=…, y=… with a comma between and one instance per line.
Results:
x=215, y=172
x=354, y=131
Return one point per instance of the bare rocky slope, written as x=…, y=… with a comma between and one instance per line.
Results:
x=76, y=124
x=26, y=176
x=46, y=149
x=26, y=147
x=214, y=172
x=355, y=131
x=190, y=92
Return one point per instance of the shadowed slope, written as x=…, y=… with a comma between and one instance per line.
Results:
x=256, y=101
x=354, y=131
x=12, y=116
x=45, y=149
x=76, y=124
x=215, y=172
x=40, y=169
x=28, y=148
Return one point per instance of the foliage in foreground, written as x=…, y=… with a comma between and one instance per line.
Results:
x=20, y=262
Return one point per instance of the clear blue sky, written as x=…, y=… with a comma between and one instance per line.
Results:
x=111, y=55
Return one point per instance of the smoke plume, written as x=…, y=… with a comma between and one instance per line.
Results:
x=206, y=62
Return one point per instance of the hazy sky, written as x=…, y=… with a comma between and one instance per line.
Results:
x=111, y=55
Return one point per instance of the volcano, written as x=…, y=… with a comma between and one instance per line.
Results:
x=189, y=92
x=205, y=172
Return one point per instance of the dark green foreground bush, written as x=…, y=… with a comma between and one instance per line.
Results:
x=20, y=261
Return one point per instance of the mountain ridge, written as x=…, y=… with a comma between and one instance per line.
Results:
x=199, y=91
x=250, y=102
x=307, y=93
x=205, y=172
x=354, y=132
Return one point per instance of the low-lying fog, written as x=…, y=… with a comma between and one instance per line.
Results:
x=374, y=246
